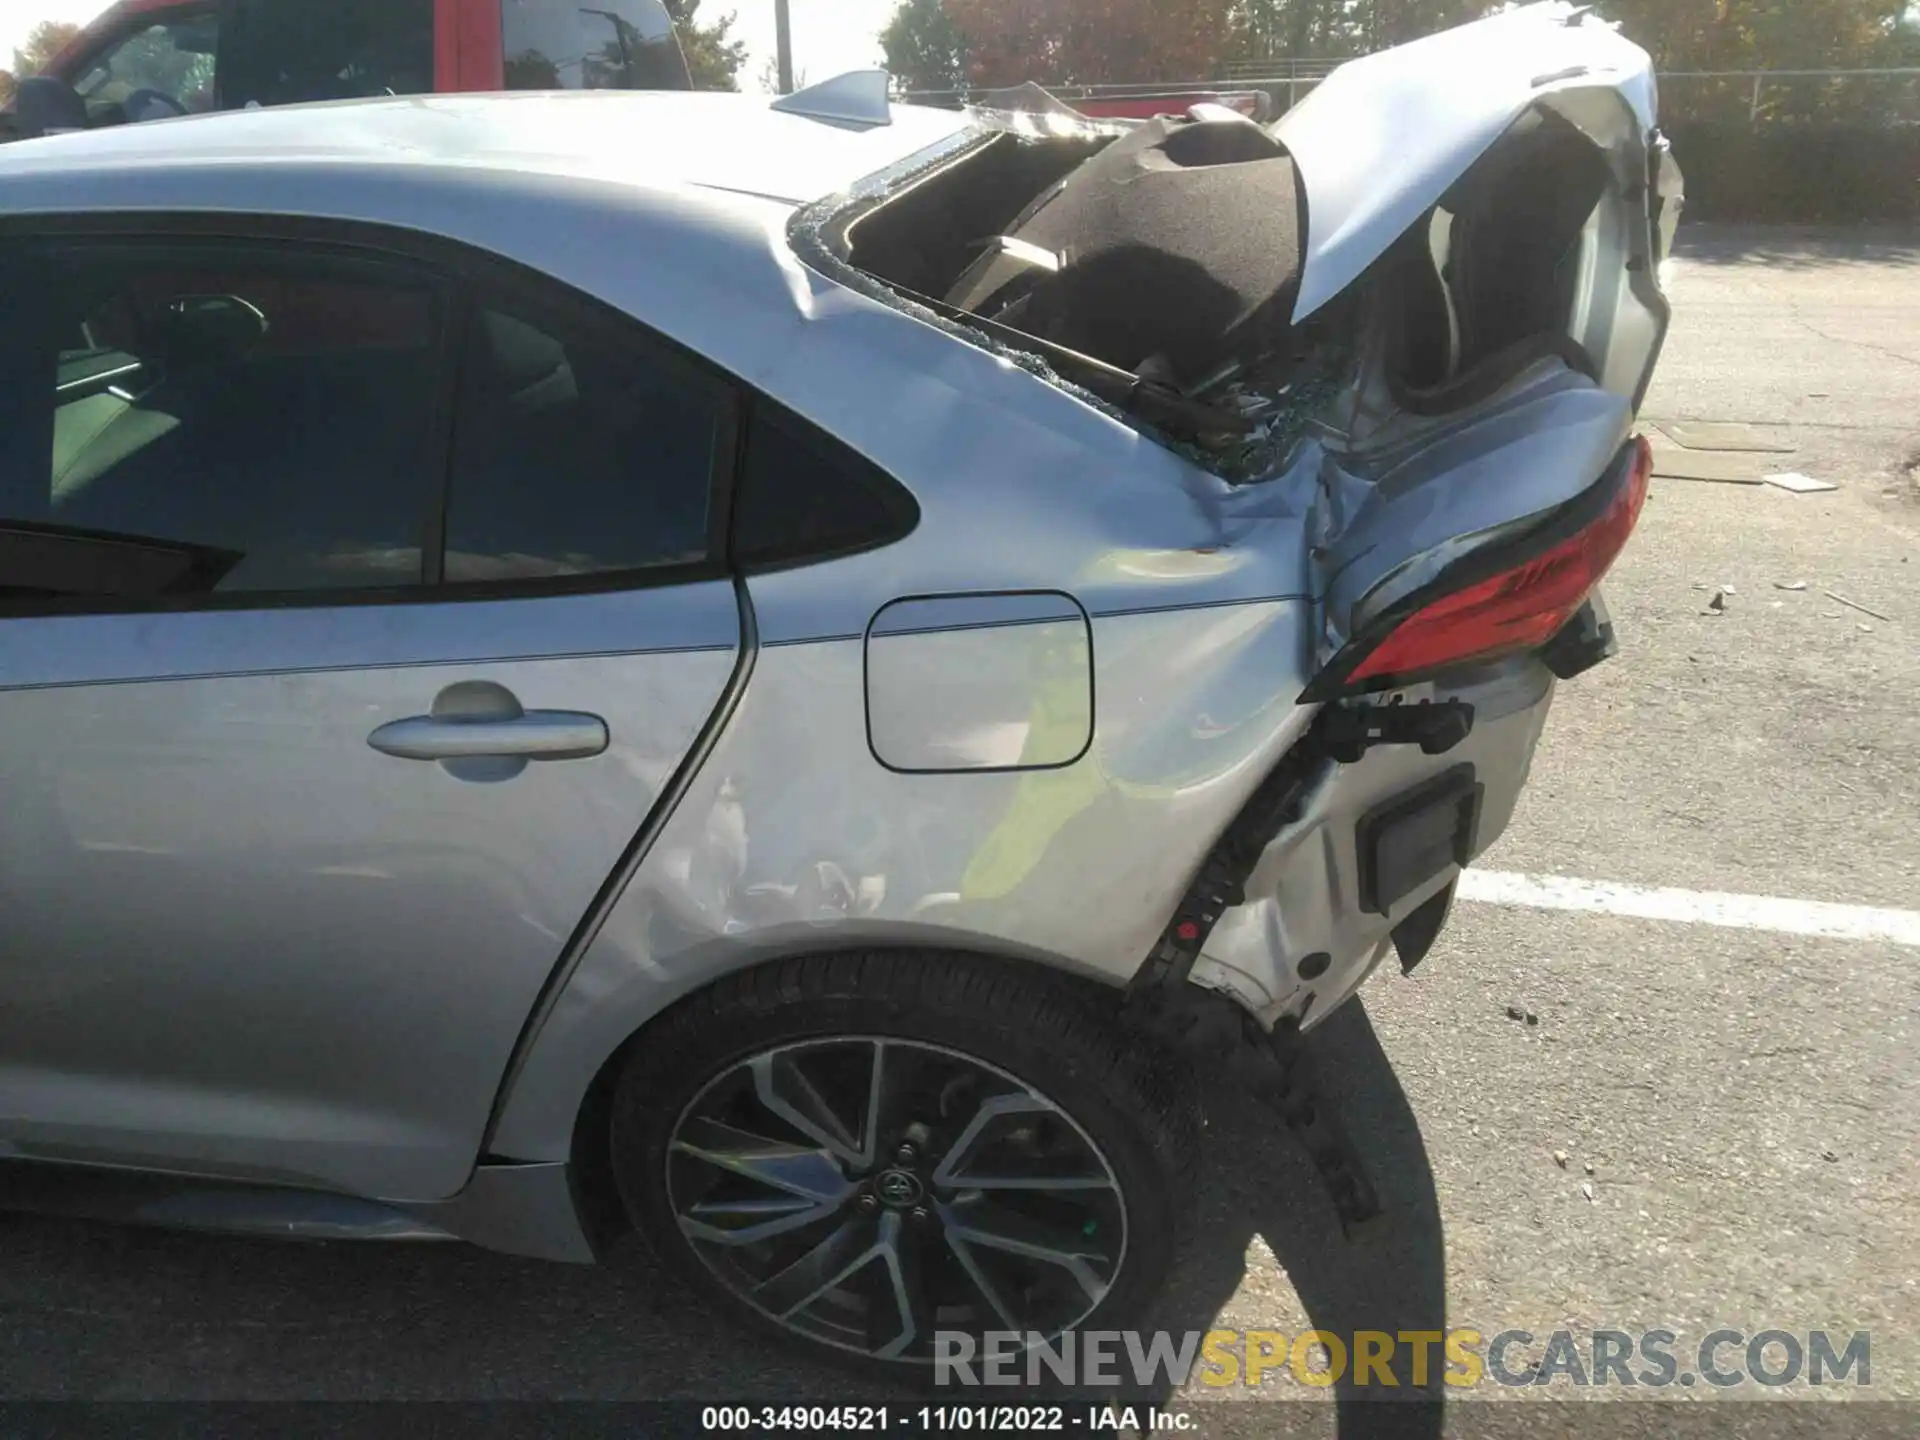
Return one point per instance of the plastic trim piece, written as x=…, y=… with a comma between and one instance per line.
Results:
x=1398, y=842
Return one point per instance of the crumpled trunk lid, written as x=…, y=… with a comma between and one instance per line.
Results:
x=1381, y=140
x=1431, y=224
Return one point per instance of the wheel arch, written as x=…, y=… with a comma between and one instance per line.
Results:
x=587, y=1140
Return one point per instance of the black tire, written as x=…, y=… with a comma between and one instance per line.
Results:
x=1054, y=1036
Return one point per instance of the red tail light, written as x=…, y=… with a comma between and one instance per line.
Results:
x=1519, y=608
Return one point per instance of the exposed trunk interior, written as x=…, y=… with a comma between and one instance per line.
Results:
x=1159, y=268
x=1171, y=252
x=1486, y=283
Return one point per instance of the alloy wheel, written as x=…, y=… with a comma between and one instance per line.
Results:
x=869, y=1191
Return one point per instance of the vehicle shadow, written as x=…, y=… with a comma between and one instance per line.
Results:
x=1260, y=1187
x=114, y=1313
x=1798, y=247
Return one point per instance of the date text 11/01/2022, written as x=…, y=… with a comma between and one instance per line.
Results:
x=1012, y=1419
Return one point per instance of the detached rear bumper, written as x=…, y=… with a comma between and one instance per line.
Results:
x=1373, y=844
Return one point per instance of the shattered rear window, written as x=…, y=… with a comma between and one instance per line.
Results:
x=956, y=224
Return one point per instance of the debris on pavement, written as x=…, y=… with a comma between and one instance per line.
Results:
x=1799, y=484
x=1587, y=1165
x=1560, y=1158
x=1711, y=435
x=1828, y=1155
x=1673, y=463
x=1514, y=1012
x=1586, y=1189
x=1718, y=604
x=1854, y=605
x=1789, y=584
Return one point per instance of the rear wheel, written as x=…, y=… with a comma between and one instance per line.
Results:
x=860, y=1151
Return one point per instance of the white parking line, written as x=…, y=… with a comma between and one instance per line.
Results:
x=1692, y=907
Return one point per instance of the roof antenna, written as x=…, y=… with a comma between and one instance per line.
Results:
x=857, y=98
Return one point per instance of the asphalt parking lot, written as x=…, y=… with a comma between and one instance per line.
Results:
x=1746, y=1098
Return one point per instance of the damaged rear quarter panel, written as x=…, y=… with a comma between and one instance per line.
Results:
x=1304, y=895
x=793, y=837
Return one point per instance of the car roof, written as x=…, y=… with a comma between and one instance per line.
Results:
x=717, y=141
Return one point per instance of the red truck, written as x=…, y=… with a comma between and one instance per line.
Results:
x=147, y=59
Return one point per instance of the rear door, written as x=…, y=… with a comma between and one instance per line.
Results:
x=333, y=688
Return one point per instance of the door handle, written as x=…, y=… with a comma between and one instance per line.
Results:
x=533, y=735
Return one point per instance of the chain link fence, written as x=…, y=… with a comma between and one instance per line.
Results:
x=1761, y=97
x=1797, y=145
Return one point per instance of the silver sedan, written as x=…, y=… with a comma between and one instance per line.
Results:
x=780, y=675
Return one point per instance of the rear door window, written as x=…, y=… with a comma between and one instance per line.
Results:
x=804, y=496
x=282, y=52
x=615, y=45
x=185, y=418
x=581, y=447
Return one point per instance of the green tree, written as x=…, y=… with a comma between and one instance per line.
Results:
x=924, y=48
x=530, y=70
x=44, y=41
x=1681, y=34
x=1394, y=22
x=714, y=57
x=1761, y=34
x=1771, y=35
x=1290, y=30
x=1081, y=42
x=770, y=76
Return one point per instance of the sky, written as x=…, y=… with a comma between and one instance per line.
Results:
x=17, y=17
x=829, y=36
